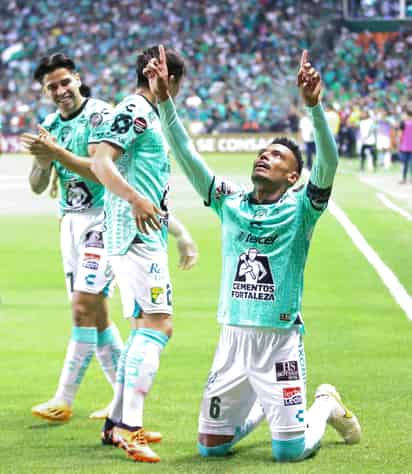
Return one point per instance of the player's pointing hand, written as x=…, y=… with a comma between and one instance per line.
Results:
x=308, y=81
x=157, y=74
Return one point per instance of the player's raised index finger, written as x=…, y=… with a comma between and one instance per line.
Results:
x=162, y=54
x=304, y=58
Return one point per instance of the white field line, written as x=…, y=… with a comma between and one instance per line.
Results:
x=388, y=203
x=389, y=279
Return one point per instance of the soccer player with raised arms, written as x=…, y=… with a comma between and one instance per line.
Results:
x=132, y=162
x=259, y=365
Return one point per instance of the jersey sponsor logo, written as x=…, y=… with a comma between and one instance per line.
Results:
x=253, y=279
x=292, y=396
x=78, y=195
x=157, y=294
x=139, y=124
x=300, y=416
x=90, y=264
x=254, y=239
x=90, y=279
x=95, y=119
x=121, y=124
x=94, y=239
x=91, y=261
x=287, y=371
x=284, y=317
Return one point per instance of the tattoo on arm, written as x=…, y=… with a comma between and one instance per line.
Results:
x=39, y=178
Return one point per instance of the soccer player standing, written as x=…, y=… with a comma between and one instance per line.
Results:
x=86, y=266
x=132, y=163
x=259, y=362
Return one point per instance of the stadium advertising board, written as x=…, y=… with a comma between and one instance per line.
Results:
x=234, y=143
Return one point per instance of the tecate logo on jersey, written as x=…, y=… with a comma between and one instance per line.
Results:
x=254, y=239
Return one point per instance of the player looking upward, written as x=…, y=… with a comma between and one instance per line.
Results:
x=259, y=363
x=132, y=163
x=86, y=266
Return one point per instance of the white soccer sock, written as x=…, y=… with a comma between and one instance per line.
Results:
x=254, y=418
x=79, y=353
x=142, y=364
x=108, y=351
x=117, y=403
x=316, y=420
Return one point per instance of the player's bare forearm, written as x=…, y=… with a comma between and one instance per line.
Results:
x=39, y=177
x=79, y=164
x=103, y=167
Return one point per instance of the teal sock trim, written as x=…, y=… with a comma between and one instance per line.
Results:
x=156, y=336
x=84, y=335
x=220, y=450
x=286, y=450
x=105, y=337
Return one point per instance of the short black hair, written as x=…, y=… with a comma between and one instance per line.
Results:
x=50, y=63
x=175, y=64
x=293, y=147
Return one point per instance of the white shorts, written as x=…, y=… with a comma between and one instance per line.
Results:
x=144, y=283
x=85, y=262
x=255, y=364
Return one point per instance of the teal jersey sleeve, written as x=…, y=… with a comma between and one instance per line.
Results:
x=323, y=172
x=196, y=170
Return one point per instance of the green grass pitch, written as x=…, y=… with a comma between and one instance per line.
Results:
x=357, y=338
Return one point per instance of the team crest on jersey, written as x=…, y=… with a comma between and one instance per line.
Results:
x=65, y=135
x=94, y=238
x=253, y=279
x=95, y=119
x=157, y=295
x=121, y=124
x=78, y=195
x=139, y=124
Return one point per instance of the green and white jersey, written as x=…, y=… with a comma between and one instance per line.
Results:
x=264, y=250
x=135, y=128
x=264, y=246
x=74, y=133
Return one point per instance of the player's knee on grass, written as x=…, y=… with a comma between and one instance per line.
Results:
x=288, y=450
x=214, y=445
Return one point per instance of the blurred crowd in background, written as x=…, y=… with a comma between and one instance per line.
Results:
x=242, y=59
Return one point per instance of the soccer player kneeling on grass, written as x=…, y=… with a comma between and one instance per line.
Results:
x=259, y=366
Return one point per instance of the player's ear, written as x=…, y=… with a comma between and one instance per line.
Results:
x=293, y=178
x=77, y=80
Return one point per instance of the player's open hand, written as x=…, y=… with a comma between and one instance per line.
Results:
x=147, y=215
x=42, y=146
x=187, y=251
x=309, y=81
x=157, y=74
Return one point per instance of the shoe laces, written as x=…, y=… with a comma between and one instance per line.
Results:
x=139, y=437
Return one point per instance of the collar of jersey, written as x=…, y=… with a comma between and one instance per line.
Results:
x=266, y=203
x=74, y=114
x=151, y=105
